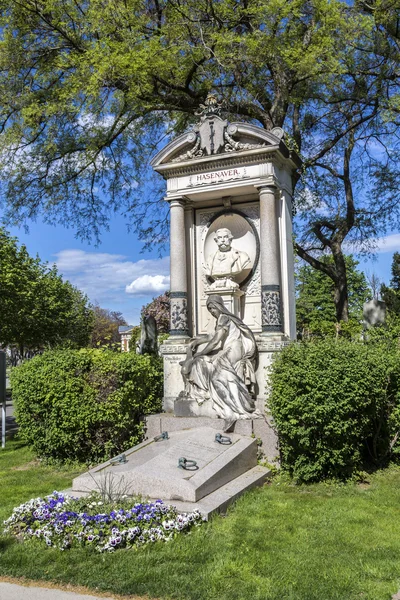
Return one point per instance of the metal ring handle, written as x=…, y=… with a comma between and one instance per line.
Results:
x=162, y=436
x=187, y=464
x=118, y=460
x=223, y=439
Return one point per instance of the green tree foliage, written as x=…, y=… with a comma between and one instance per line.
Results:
x=88, y=90
x=87, y=404
x=37, y=308
x=136, y=332
x=106, y=80
x=395, y=281
x=336, y=405
x=159, y=309
x=315, y=306
x=350, y=191
x=391, y=294
x=105, y=327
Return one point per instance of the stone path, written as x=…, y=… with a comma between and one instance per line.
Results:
x=31, y=591
x=13, y=591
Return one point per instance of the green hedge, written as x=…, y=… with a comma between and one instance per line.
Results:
x=87, y=404
x=336, y=406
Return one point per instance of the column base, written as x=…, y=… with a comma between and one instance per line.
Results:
x=272, y=335
x=182, y=334
x=178, y=315
x=173, y=351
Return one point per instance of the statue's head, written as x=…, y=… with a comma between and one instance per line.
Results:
x=215, y=305
x=223, y=238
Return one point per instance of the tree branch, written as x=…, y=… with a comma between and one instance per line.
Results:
x=314, y=262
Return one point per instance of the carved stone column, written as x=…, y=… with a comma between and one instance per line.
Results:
x=178, y=294
x=271, y=306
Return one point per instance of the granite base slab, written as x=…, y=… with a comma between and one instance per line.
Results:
x=219, y=500
x=153, y=468
x=261, y=429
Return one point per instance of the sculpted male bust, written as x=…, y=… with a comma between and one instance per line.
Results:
x=226, y=262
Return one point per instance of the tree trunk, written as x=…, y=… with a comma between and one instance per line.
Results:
x=340, y=295
x=338, y=274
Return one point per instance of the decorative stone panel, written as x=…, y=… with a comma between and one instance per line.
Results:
x=271, y=308
x=179, y=314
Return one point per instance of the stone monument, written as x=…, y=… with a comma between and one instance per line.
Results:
x=374, y=313
x=229, y=188
x=148, y=336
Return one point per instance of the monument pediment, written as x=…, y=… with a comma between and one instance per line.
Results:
x=214, y=137
x=218, y=137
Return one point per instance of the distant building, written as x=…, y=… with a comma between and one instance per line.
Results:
x=125, y=331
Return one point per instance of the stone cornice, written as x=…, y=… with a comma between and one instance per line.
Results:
x=272, y=346
x=218, y=161
x=173, y=349
x=262, y=345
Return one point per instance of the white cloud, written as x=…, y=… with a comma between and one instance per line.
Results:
x=146, y=285
x=90, y=120
x=389, y=243
x=104, y=277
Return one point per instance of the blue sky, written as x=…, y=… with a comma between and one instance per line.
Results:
x=119, y=277
x=380, y=264
x=115, y=274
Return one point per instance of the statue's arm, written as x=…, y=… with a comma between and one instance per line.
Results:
x=217, y=340
x=201, y=340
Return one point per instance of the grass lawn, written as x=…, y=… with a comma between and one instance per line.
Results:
x=281, y=542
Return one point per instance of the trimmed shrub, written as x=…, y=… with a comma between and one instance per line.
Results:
x=336, y=406
x=85, y=405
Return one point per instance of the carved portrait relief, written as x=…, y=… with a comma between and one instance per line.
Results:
x=230, y=251
x=238, y=274
x=227, y=263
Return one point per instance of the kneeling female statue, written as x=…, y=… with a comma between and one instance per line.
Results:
x=221, y=368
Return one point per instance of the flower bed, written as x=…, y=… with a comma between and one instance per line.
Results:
x=62, y=521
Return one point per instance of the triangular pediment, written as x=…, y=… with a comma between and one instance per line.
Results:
x=215, y=136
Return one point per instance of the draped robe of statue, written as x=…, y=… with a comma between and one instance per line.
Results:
x=224, y=374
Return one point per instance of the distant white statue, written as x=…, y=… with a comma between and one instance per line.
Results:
x=374, y=313
x=227, y=263
x=221, y=367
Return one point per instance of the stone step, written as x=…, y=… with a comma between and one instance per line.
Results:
x=219, y=500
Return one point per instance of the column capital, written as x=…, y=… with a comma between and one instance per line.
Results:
x=270, y=185
x=188, y=204
x=179, y=201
